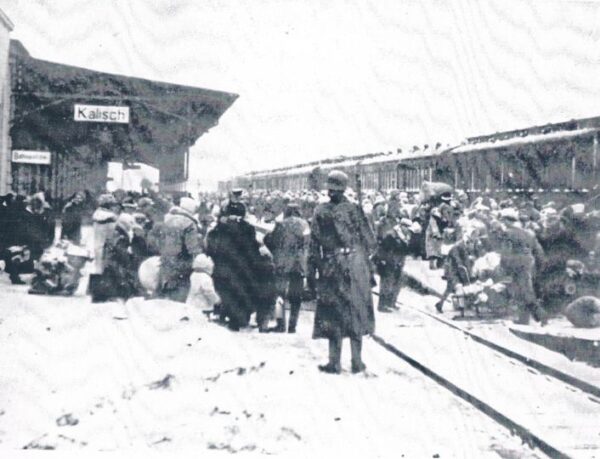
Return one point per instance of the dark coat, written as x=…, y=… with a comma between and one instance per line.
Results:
x=265, y=292
x=341, y=243
x=288, y=244
x=119, y=267
x=37, y=232
x=458, y=265
x=391, y=248
x=72, y=216
x=233, y=247
x=521, y=255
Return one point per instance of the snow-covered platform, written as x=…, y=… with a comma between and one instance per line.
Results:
x=154, y=375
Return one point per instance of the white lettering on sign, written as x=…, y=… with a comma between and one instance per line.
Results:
x=31, y=157
x=101, y=114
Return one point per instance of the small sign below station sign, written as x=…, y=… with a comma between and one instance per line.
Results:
x=31, y=157
x=101, y=113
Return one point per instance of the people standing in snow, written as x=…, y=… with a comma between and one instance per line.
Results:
x=288, y=243
x=180, y=245
x=202, y=294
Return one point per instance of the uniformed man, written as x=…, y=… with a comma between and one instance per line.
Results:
x=234, y=201
x=341, y=243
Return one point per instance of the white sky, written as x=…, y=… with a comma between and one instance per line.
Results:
x=321, y=78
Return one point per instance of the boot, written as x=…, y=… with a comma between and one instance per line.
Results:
x=539, y=315
x=356, y=350
x=294, y=313
x=330, y=368
x=335, y=356
x=523, y=317
x=439, y=305
x=16, y=280
x=358, y=367
x=280, y=327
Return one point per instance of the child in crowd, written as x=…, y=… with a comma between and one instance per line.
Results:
x=202, y=294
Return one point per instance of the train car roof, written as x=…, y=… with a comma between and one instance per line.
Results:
x=525, y=140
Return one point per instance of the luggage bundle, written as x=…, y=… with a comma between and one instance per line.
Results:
x=432, y=190
x=58, y=270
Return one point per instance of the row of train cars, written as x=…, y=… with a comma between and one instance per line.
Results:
x=559, y=158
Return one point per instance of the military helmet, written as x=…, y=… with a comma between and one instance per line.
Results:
x=337, y=180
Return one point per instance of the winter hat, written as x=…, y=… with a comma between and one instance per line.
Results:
x=189, y=205
x=203, y=263
x=509, y=214
x=379, y=200
x=106, y=201
x=145, y=202
x=126, y=222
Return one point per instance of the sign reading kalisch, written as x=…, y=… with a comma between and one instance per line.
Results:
x=101, y=113
x=31, y=157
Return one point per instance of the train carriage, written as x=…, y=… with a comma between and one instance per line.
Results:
x=555, y=158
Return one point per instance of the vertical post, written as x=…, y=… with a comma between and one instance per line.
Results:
x=472, y=179
x=595, y=160
x=573, y=171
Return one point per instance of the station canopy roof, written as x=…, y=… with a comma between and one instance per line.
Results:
x=164, y=119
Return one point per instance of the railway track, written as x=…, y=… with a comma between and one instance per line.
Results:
x=549, y=410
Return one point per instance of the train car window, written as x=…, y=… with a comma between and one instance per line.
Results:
x=560, y=166
x=585, y=177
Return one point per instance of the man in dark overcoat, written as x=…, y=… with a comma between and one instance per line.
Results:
x=340, y=247
x=234, y=249
x=393, y=239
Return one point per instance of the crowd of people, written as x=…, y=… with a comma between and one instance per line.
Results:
x=262, y=253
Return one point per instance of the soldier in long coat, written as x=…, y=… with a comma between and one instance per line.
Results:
x=341, y=243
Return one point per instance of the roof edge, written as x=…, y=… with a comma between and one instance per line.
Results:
x=21, y=50
x=6, y=21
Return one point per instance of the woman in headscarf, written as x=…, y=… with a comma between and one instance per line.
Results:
x=120, y=272
x=104, y=220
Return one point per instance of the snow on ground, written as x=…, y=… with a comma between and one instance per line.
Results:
x=154, y=375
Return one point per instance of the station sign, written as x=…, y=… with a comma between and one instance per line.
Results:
x=101, y=113
x=31, y=157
